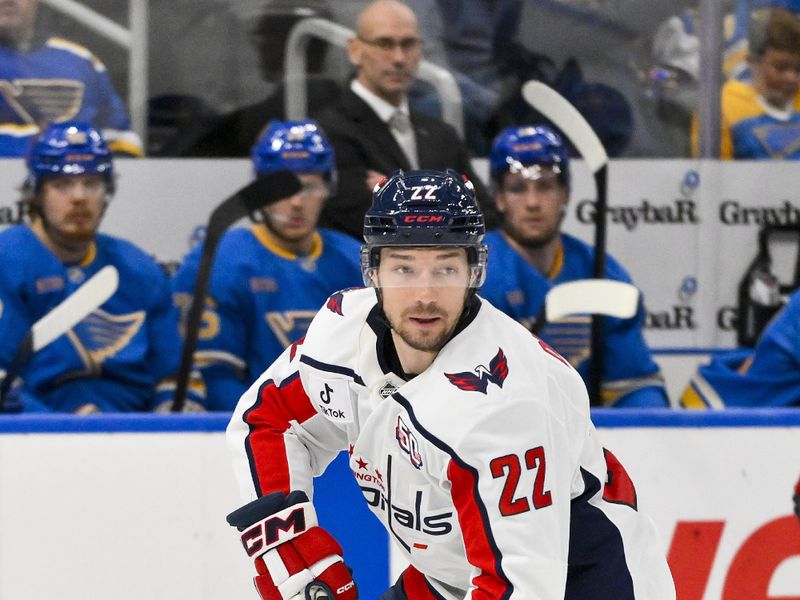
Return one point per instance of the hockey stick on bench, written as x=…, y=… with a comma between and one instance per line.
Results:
x=68, y=313
x=265, y=190
x=567, y=118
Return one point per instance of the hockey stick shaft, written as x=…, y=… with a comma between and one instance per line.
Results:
x=567, y=118
x=68, y=313
x=251, y=198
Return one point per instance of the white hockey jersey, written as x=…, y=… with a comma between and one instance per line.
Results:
x=485, y=468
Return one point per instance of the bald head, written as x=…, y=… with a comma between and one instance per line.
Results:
x=382, y=12
x=387, y=49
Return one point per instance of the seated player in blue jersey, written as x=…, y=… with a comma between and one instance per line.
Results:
x=118, y=358
x=761, y=119
x=268, y=281
x=529, y=254
x=51, y=80
x=767, y=375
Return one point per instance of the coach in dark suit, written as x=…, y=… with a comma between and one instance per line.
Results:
x=371, y=128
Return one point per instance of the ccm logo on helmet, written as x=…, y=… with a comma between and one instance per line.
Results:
x=423, y=218
x=266, y=533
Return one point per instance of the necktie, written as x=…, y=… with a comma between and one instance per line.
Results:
x=402, y=131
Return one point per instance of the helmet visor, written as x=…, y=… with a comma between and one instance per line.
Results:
x=402, y=267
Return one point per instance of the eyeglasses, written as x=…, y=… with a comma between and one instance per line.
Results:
x=384, y=44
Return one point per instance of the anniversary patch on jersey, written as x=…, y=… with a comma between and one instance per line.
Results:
x=478, y=379
x=408, y=442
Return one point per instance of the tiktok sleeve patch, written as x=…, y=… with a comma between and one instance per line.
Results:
x=332, y=397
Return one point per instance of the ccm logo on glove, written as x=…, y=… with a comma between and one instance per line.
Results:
x=276, y=529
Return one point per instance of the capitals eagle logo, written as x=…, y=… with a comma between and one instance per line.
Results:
x=478, y=379
x=334, y=303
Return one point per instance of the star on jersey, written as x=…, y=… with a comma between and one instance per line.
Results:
x=478, y=379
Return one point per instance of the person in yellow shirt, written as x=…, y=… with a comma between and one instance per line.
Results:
x=761, y=118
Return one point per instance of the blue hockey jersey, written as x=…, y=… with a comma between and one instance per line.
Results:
x=768, y=375
x=630, y=376
x=58, y=81
x=117, y=356
x=753, y=130
x=260, y=300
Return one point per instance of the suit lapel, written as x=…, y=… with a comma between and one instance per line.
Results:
x=375, y=135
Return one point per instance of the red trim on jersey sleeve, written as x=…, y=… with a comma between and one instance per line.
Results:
x=490, y=583
x=416, y=587
x=268, y=420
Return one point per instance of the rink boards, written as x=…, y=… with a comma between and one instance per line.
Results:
x=135, y=505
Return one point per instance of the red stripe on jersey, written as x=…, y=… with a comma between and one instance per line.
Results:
x=268, y=420
x=416, y=587
x=490, y=583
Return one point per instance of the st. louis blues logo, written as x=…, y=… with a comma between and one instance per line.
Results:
x=478, y=379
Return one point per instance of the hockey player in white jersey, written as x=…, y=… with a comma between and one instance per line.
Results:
x=485, y=467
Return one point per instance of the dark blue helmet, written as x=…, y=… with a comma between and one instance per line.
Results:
x=71, y=148
x=298, y=146
x=424, y=208
x=516, y=148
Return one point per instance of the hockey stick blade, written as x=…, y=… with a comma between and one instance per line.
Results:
x=68, y=313
x=567, y=118
x=592, y=296
x=263, y=191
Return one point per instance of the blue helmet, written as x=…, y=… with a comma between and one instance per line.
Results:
x=518, y=147
x=298, y=146
x=425, y=208
x=70, y=148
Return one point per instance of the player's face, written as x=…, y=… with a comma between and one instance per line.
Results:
x=423, y=291
x=294, y=219
x=387, y=51
x=777, y=76
x=73, y=206
x=17, y=16
x=532, y=209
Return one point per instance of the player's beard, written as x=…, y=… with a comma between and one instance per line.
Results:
x=73, y=238
x=533, y=242
x=417, y=339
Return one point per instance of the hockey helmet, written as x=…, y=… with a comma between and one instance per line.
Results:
x=424, y=209
x=524, y=149
x=297, y=146
x=70, y=148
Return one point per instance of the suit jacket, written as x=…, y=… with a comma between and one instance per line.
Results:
x=362, y=141
x=233, y=135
